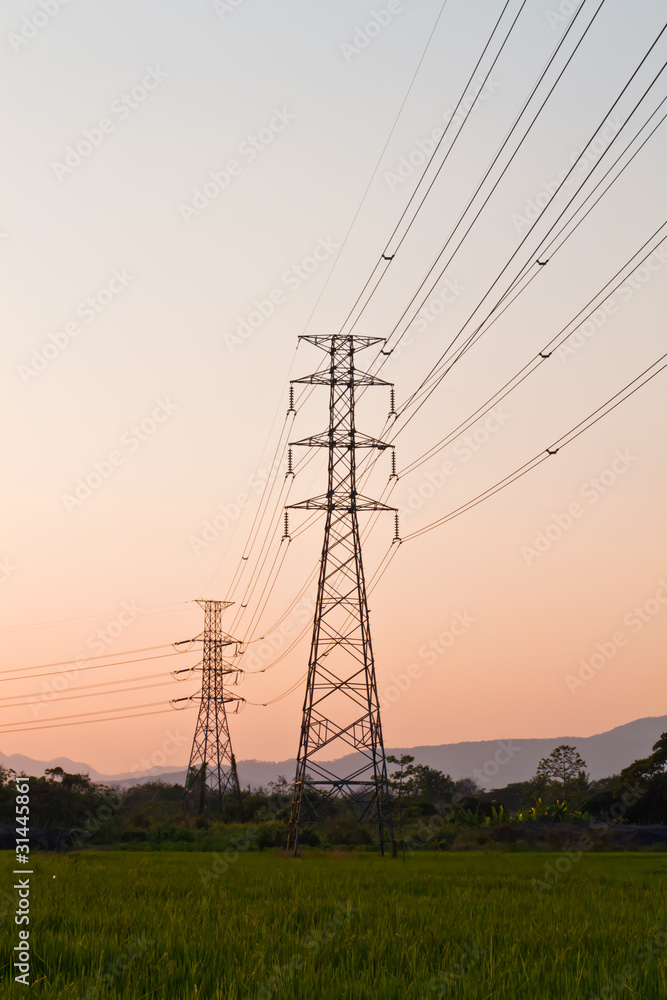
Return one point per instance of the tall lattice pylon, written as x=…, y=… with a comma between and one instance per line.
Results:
x=341, y=710
x=212, y=768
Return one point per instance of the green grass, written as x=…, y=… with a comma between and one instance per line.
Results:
x=332, y=927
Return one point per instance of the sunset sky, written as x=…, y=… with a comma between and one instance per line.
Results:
x=187, y=189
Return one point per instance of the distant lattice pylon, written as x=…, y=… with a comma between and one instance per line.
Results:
x=212, y=769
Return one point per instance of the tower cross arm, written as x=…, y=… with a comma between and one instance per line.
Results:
x=342, y=502
x=341, y=439
x=328, y=341
x=355, y=378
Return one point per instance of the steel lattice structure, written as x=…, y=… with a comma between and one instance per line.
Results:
x=341, y=710
x=212, y=745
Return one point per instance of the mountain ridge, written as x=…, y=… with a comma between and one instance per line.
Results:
x=494, y=763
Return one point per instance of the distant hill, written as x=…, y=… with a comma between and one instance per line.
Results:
x=515, y=759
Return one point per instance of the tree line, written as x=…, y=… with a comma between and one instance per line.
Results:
x=152, y=814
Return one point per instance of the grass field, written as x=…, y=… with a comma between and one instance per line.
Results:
x=331, y=927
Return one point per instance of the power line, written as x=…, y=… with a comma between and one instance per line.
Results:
x=244, y=559
x=562, y=442
x=243, y=564
x=101, y=656
x=80, y=715
x=34, y=699
x=311, y=580
x=86, y=722
x=154, y=609
x=272, y=533
x=386, y=257
x=262, y=505
x=495, y=159
x=261, y=561
x=478, y=332
x=95, y=666
x=563, y=335
x=272, y=530
x=511, y=290
x=375, y=579
x=99, y=684
x=438, y=371
x=269, y=583
x=543, y=355
x=379, y=162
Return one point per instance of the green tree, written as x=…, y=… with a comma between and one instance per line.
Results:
x=7, y=774
x=647, y=767
x=432, y=786
x=402, y=780
x=405, y=762
x=419, y=782
x=562, y=766
x=562, y=773
x=647, y=778
x=281, y=786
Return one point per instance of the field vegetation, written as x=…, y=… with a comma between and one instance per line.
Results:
x=344, y=926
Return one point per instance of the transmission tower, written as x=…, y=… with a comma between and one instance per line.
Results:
x=341, y=710
x=212, y=768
